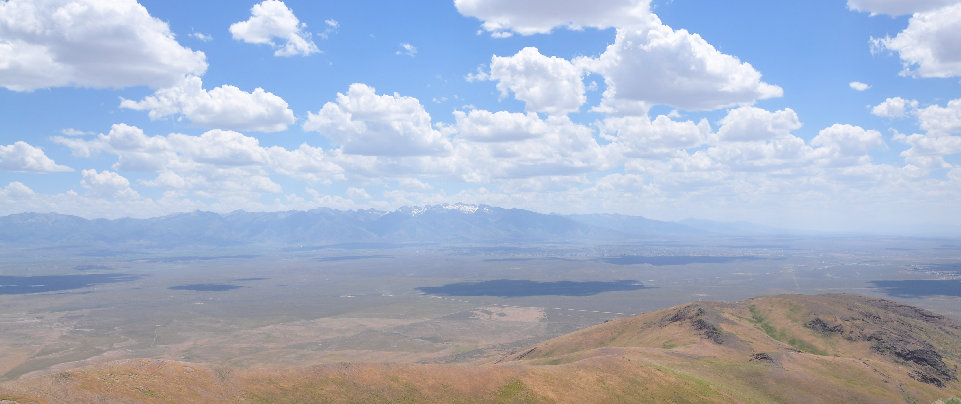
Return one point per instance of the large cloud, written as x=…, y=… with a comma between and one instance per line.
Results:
x=216, y=164
x=939, y=120
x=654, y=64
x=928, y=151
x=272, y=23
x=511, y=145
x=88, y=43
x=942, y=126
x=16, y=191
x=771, y=156
x=640, y=137
x=500, y=17
x=546, y=84
x=306, y=162
x=365, y=123
x=894, y=107
x=754, y=139
x=897, y=7
x=139, y=152
x=225, y=107
x=750, y=123
x=501, y=126
x=848, y=140
x=931, y=44
x=107, y=184
x=22, y=156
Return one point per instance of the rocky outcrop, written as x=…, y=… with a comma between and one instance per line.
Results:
x=762, y=357
x=929, y=364
x=895, y=330
x=695, y=315
x=820, y=326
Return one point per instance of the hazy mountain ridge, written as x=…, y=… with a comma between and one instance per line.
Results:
x=429, y=224
x=785, y=349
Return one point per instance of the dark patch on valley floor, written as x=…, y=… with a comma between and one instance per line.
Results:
x=520, y=288
x=524, y=259
x=18, y=285
x=187, y=258
x=361, y=245
x=921, y=287
x=351, y=258
x=663, y=260
x=761, y=246
x=206, y=287
x=92, y=268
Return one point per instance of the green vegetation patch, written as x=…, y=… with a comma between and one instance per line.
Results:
x=758, y=319
x=514, y=391
x=696, y=385
x=147, y=392
x=782, y=335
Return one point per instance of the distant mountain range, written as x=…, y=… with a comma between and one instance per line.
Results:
x=450, y=223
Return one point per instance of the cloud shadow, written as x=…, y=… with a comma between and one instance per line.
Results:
x=663, y=260
x=519, y=288
x=918, y=288
x=19, y=285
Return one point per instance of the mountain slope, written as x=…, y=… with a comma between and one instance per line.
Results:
x=791, y=348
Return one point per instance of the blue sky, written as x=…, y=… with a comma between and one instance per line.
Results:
x=818, y=115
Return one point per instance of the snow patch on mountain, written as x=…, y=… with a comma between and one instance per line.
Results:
x=460, y=207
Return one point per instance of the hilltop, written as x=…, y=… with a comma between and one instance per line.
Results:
x=787, y=348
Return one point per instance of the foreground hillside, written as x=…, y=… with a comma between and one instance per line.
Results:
x=790, y=348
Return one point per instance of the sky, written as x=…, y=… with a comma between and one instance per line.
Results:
x=819, y=115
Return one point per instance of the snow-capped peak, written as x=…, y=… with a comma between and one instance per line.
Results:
x=460, y=207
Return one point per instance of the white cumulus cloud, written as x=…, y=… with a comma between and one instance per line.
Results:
x=21, y=156
x=225, y=107
x=501, y=17
x=57, y=43
x=218, y=163
x=773, y=155
x=858, y=86
x=928, y=151
x=939, y=120
x=848, y=140
x=107, y=184
x=365, y=123
x=555, y=146
x=272, y=23
x=662, y=137
x=896, y=7
x=655, y=64
x=750, y=123
x=407, y=49
x=202, y=36
x=931, y=44
x=545, y=84
x=16, y=190
x=306, y=162
x=501, y=126
x=894, y=107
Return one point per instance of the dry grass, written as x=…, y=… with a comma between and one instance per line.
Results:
x=665, y=356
